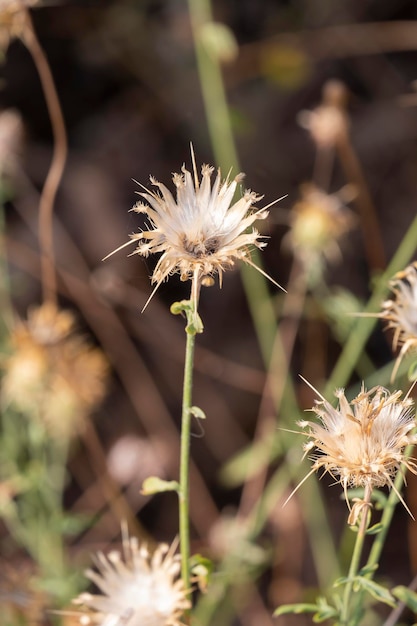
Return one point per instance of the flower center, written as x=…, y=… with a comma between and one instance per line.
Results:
x=202, y=248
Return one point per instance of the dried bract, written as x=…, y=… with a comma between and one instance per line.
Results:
x=362, y=443
x=137, y=588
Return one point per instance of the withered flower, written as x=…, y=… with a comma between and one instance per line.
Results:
x=400, y=312
x=202, y=232
x=52, y=373
x=362, y=443
x=137, y=588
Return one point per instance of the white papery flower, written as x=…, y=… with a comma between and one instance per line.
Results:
x=400, y=312
x=362, y=443
x=138, y=589
x=200, y=233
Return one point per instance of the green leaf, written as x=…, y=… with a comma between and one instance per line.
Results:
x=377, y=591
x=296, y=609
x=412, y=372
x=375, y=529
x=153, y=484
x=368, y=569
x=322, y=610
x=183, y=306
x=407, y=596
x=201, y=568
x=194, y=322
x=197, y=412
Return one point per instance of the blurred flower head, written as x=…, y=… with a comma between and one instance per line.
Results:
x=328, y=123
x=200, y=233
x=138, y=589
x=13, y=19
x=318, y=221
x=400, y=312
x=52, y=372
x=362, y=443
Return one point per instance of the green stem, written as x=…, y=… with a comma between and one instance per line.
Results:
x=359, y=336
x=213, y=91
x=184, y=517
x=355, y=561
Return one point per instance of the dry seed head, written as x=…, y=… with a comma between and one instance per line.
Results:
x=317, y=223
x=400, y=312
x=200, y=233
x=137, y=588
x=52, y=373
x=328, y=124
x=362, y=443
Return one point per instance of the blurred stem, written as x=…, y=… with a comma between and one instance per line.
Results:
x=221, y=135
x=56, y=169
x=213, y=92
x=5, y=303
x=364, y=326
x=355, y=563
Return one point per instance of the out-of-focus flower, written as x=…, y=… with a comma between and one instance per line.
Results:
x=131, y=459
x=362, y=443
x=318, y=221
x=328, y=124
x=400, y=312
x=13, y=19
x=138, y=589
x=201, y=233
x=53, y=373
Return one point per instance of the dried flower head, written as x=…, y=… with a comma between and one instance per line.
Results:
x=328, y=124
x=201, y=233
x=13, y=19
x=53, y=373
x=400, y=312
x=317, y=223
x=362, y=443
x=138, y=589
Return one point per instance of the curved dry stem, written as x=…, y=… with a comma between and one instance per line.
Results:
x=56, y=169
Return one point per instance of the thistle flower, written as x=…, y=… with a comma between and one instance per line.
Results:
x=328, y=123
x=362, y=443
x=317, y=223
x=52, y=372
x=401, y=312
x=201, y=233
x=138, y=589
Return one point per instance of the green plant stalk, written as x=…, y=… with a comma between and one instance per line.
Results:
x=355, y=563
x=184, y=491
x=358, y=338
x=222, y=139
x=386, y=518
x=213, y=92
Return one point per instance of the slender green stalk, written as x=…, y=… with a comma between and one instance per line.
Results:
x=184, y=491
x=355, y=560
x=357, y=339
x=256, y=289
x=212, y=87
